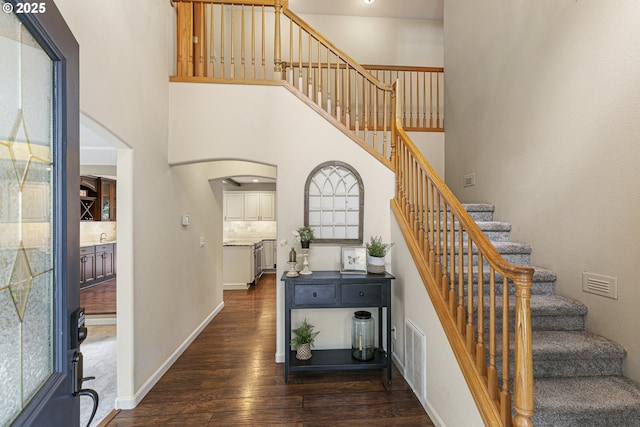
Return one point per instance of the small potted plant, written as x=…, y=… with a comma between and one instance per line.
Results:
x=376, y=251
x=305, y=234
x=302, y=342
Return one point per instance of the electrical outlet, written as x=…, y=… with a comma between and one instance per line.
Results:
x=393, y=333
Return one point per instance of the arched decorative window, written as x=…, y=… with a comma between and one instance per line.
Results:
x=334, y=203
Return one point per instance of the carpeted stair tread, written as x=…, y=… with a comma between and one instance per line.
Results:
x=586, y=401
x=478, y=207
x=550, y=305
x=572, y=345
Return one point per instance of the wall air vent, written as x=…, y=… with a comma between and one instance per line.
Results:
x=415, y=350
x=469, y=180
x=600, y=285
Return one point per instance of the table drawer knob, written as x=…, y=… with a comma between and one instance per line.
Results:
x=315, y=294
x=361, y=293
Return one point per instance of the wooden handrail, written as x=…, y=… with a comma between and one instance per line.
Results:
x=440, y=235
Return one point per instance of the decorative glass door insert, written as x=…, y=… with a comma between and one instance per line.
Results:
x=26, y=217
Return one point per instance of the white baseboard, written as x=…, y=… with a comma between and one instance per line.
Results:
x=235, y=286
x=130, y=403
x=100, y=320
x=437, y=421
x=279, y=357
x=397, y=362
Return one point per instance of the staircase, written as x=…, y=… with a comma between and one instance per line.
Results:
x=578, y=377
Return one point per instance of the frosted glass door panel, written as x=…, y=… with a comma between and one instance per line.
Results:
x=26, y=218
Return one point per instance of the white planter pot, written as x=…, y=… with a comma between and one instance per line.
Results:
x=375, y=264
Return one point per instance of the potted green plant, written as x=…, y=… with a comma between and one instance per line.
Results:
x=305, y=234
x=376, y=251
x=302, y=342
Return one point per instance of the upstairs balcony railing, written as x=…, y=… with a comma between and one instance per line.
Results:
x=263, y=42
x=248, y=41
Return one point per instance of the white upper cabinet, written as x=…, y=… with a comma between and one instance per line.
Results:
x=233, y=206
x=250, y=206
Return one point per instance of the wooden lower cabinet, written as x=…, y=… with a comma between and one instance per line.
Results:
x=97, y=264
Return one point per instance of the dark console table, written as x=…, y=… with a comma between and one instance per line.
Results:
x=331, y=289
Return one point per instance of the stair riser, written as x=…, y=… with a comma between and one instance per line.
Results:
x=566, y=368
x=492, y=235
x=542, y=323
x=516, y=259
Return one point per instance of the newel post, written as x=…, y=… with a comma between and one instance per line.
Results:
x=277, y=55
x=523, y=359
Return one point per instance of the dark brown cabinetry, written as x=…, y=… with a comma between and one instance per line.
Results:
x=97, y=264
x=97, y=199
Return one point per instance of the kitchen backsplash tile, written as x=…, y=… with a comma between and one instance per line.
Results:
x=90, y=231
x=249, y=229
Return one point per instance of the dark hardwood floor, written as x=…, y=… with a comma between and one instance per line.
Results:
x=99, y=299
x=228, y=377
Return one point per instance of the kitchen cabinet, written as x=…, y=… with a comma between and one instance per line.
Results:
x=107, y=197
x=233, y=206
x=87, y=266
x=238, y=267
x=97, y=199
x=97, y=264
x=269, y=254
x=250, y=206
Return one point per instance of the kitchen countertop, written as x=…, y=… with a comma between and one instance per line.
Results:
x=96, y=243
x=244, y=241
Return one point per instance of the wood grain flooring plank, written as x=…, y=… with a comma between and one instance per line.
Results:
x=228, y=377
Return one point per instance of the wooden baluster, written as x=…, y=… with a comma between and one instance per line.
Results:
x=440, y=124
x=405, y=98
x=357, y=114
x=452, y=272
x=438, y=240
x=212, y=70
x=300, y=80
x=444, y=279
x=421, y=179
x=394, y=138
x=253, y=43
x=492, y=373
x=411, y=110
x=431, y=100
x=480, y=348
x=385, y=127
x=199, y=40
x=309, y=74
x=365, y=106
x=319, y=88
x=470, y=333
x=337, y=86
x=460, y=252
x=347, y=97
x=242, y=43
x=329, y=97
x=374, y=108
x=414, y=197
x=184, y=17
x=505, y=396
x=291, y=67
x=424, y=102
x=264, y=48
x=432, y=237
x=277, y=57
x=232, y=66
x=222, y=70
x=523, y=361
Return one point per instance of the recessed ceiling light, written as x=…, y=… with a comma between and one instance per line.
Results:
x=256, y=180
x=368, y=1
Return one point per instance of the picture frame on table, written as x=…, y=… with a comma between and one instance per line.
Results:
x=353, y=260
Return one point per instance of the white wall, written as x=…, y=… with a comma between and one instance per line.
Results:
x=542, y=103
x=206, y=123
x=383, y=41
x=125, y=60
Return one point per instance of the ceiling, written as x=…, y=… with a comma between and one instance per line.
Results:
x=410, y=9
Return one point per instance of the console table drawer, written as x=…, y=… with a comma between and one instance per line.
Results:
x=314, y=294
x=362, y=294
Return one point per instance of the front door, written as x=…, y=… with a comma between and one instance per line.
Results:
x=39, y=208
